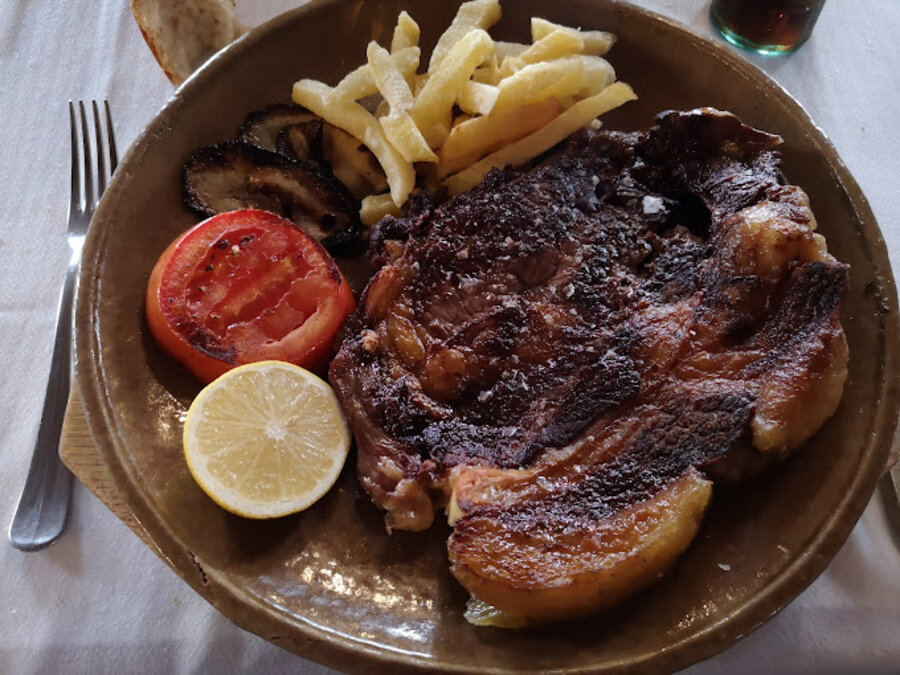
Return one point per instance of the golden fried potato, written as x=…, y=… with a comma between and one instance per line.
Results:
x=596, y=75
x=375, y=207
x=479, y=104
x=359, y=83
x=527, y=84
x=471, y=15
x=477, y=98
x=554, y=45
x=434, y=103
x=399, y=127
x=473, y=139
x=570, y=84
x=489, y=73
x=404, y=135
x=596, y=42
x=406, y=33
x=348, y=115
x=525, y=149
x=504, y=49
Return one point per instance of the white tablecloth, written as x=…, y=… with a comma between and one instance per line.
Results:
x=99, y=601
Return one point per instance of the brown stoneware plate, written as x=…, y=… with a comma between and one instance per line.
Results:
x=329, y=583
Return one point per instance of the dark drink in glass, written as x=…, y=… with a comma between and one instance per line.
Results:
x=766, y=26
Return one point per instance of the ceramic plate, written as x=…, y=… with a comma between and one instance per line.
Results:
x=329, y=583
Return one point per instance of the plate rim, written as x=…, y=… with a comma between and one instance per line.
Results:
x=319, y=644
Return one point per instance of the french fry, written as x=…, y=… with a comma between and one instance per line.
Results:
x=434, y=104
x=474, y=138
x=471, y=15
x=554, y=45
x=352, y=163
x=398, y=126
x=596, y=42
x=477, y=98
x=375, y=207
x=388, y=79
x=578, y=75
x=516, y=100
x=404, y=135
x=489, y=73
x=359, y=83
x=406, y=33
x=596, y=75
x=525, y=85
x=419, y=84
x=348, y=115
x=509, y=66
x=543, y=139
x=504, y=49
x=571, y=82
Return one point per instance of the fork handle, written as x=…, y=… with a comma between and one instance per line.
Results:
x=44, y=505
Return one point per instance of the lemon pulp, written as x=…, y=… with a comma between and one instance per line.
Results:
x=266, y=439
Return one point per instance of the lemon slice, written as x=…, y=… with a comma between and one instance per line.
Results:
x=266, y=439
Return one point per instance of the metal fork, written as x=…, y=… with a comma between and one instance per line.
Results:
x=44, y=505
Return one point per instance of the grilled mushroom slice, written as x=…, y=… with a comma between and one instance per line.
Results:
x=261, y=127
x=350, y=161
x=295, y=132
x=301, y=141
x=234, y=175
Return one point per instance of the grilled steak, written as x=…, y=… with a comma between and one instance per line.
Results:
x=567, y=356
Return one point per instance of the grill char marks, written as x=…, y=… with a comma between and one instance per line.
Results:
x=567, y=349
x=711, y=156
x=685, y=434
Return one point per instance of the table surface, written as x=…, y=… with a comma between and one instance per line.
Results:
x=99, y=601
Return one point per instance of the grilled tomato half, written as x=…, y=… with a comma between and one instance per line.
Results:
x=246, y=286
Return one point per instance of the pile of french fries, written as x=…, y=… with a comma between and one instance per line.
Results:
x=480, y=104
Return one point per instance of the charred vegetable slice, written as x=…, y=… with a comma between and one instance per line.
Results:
x=293, y=131
x=301, y=141
x=242, y=287
x=261, y=127
x=234, y=175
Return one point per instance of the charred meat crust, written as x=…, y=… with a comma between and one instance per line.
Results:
x=558, y=349
x=513, y=326
x=683, y=433
x=233, y=175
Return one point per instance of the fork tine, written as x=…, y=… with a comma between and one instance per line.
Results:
x=98, y=144
x=75, y=194
x=111, y=141
x=88, y=168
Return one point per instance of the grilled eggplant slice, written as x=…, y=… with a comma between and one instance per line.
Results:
x=234, y=175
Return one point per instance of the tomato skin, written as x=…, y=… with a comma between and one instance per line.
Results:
x=277, y=294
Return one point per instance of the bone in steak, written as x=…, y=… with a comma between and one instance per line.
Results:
x=565, y=357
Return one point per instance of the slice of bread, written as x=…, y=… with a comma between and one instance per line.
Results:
x=183, y=34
